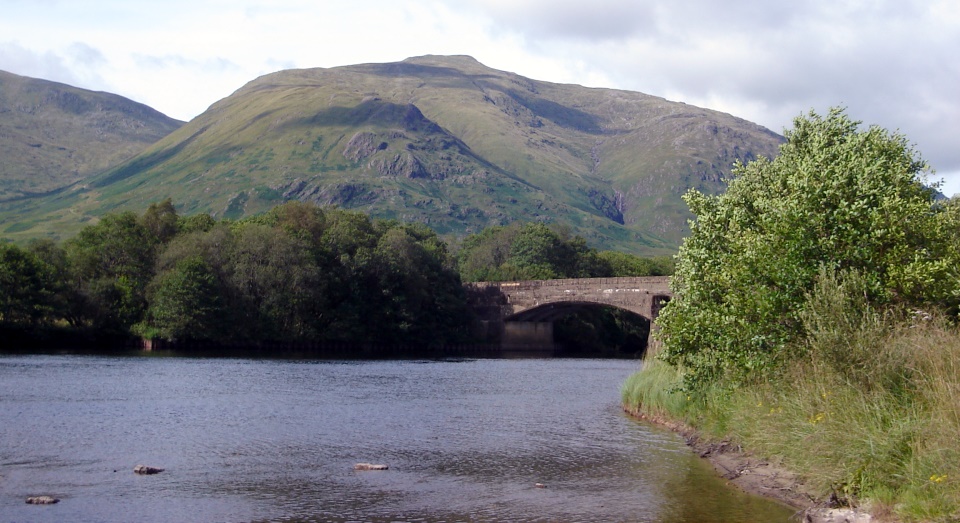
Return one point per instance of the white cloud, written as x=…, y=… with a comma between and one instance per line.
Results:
x=890, y=62
x=48, y=65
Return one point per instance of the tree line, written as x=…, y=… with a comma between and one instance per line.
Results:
x=298, y=273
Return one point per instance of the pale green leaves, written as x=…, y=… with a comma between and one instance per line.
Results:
x=837, y=197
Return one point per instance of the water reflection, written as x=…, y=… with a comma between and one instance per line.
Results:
x=246, y=440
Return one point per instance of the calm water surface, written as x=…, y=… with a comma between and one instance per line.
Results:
x=272, y=440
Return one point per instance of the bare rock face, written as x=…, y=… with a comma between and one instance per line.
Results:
x=400, y=165
x=369, y=466
x=145, y=470
x=361, y=146
x=42, y=500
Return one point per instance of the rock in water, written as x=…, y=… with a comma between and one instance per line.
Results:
x=369, y=466
x=42, y=500
x=143, y=469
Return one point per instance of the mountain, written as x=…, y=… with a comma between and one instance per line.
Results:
x=52, y=135
x=443, y=140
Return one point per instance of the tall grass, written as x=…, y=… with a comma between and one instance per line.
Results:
x=870, y=414
x=653, y=391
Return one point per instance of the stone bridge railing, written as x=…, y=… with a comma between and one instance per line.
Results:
x=517, y=300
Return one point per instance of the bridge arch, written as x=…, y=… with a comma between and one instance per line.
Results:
x=552, y=311
x=521, y=313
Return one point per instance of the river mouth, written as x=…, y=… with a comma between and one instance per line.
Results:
x=277, y=440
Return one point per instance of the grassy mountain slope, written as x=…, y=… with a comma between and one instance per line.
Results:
x=442, y=140
x=52, y=135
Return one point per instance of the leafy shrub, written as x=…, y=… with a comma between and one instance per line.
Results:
x=837, y=198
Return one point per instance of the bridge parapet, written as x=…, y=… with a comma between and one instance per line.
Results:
x=501, y=307
x=639, y=294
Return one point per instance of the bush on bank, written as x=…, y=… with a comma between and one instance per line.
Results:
x=814, y=320
x=881, y=433
x=837, y=198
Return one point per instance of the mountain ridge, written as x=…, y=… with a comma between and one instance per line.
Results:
x=54, y=134
x=442, y=140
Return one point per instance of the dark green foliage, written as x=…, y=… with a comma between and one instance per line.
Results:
x=534, y=251
x=195, y=222
x=624, y=264
x=483, y=256
x=422, y=297
x=185, y=302
x=302, y=273
x=540, y=253
x=25, y=287
x=161, y=221
x=63, y=294
x=274, y=280
x=298, y=273
x=111, y=264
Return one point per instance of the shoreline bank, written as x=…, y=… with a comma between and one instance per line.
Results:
x=758, y=476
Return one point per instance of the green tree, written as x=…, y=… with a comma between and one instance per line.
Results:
x=623, y=264
x=195, y=223
x=274, y=280
x=482, y=255
x=837, y=197
x=26, y=287
x=344, y=253
x=161, y=221
x=111, y=264
x=185, y=302
x=303, y=220
x=66, y=301
x=418, y=295
x=532, y=251
x=539, y=253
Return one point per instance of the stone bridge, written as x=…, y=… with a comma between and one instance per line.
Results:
x=520, y=314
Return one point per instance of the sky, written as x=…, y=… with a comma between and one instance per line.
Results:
x=889, y=63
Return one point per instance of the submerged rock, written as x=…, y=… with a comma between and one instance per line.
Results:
x=42, y=500
x=143, y=469
x=369, y=466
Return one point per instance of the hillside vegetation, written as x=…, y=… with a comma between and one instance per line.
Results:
x=53, y=135
x=443, y=141
x=814, y=321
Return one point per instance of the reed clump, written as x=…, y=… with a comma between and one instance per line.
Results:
x=868, y=413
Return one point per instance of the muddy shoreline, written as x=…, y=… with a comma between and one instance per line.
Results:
x=760, y=477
